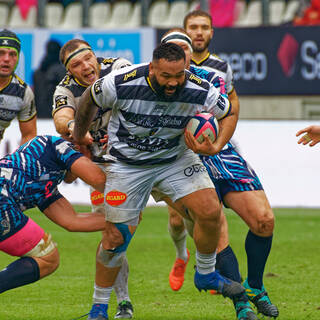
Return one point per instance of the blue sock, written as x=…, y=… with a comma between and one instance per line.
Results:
x=228, y=265
x=258, y=249
x=19, y=273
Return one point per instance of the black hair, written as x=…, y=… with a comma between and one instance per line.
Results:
x=168, y=51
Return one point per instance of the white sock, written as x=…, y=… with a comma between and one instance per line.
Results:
x=121, y=284
x=205, y=262
x=180, y=242
x=101, y=295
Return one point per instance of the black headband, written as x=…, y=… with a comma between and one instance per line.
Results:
x=177, y=36
x=75, y=53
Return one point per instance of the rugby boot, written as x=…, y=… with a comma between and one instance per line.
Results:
x=124, y=310
x=243, y=308
x=214, y=281
x=98, y=312
x=176, y=276
x=260, y=298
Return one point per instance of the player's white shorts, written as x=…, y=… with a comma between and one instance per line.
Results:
x=128, y=187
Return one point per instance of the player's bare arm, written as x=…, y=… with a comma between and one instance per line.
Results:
x=234, y=100
x=84, y=116
x=28, y=129
x=90, y=173
x=62, y=213
x=311, y=135
x=63, y=120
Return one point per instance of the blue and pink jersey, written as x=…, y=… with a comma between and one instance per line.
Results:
x=29, y=178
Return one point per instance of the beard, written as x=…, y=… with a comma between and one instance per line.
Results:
x=160, y=90
x=202, y=48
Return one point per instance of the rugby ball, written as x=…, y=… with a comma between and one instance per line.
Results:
x=203, y=123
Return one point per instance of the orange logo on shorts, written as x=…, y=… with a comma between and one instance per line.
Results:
x=115, y=198
x=97, y=198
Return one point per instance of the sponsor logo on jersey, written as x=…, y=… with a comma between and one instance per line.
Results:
x=115, y=198
x=194, y=79
x=108, y=61
x=7, y=115
x=61, y=101
x=129, y=75
x=97, y=198
x=97, y=86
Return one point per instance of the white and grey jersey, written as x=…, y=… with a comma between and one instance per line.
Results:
x=69, y=91
x=16, y=101
x=145, y=129
x=213, y=63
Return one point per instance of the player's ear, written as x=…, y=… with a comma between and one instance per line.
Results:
x=151, y=69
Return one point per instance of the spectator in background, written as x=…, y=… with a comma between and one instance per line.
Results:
x=310, y=15
x=46, y=77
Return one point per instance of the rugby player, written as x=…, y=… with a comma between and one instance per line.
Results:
x=29, y=178
x=16, y=97
x=83, y=68
x=236, y=182
x=176, y=224
x=151, y=105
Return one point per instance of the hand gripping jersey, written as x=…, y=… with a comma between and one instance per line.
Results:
x=69, y=91
x=145, y=129
x=16, y=100
x=29, y=177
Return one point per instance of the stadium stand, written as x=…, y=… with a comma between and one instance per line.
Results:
x=99, y=14
x=4, y=13
x=120, y=15
x=16, y=20
x=240, y=12
x=290, y=11
x=134, y=20
x=158, y=13
x=53, y=14
x=177, y=11
x=276, y=10
x=253, y=16
x=72, y=18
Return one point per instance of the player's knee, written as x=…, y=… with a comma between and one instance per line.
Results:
x=110, y=258
x=209, y=212
x=50, y=263
x=46, y=254
x=265, y=223
x=117, y=236
x=112, y=237
x=176, y=223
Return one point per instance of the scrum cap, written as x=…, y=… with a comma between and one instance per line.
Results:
x=9, y=39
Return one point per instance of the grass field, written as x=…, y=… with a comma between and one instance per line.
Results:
x=292, y=275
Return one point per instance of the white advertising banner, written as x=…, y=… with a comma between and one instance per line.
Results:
x=289, y=172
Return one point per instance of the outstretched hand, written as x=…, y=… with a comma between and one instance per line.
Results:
x=311, y=135
x=206, y=148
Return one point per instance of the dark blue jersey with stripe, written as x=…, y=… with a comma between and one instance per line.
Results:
x=29, y=177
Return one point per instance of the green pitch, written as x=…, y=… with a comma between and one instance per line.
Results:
x=292, y=275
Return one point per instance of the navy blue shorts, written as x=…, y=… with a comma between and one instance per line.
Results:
x=230, y=172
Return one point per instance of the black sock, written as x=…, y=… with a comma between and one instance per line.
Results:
x=19, y=273
x=227, y=264
x=258, y=249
